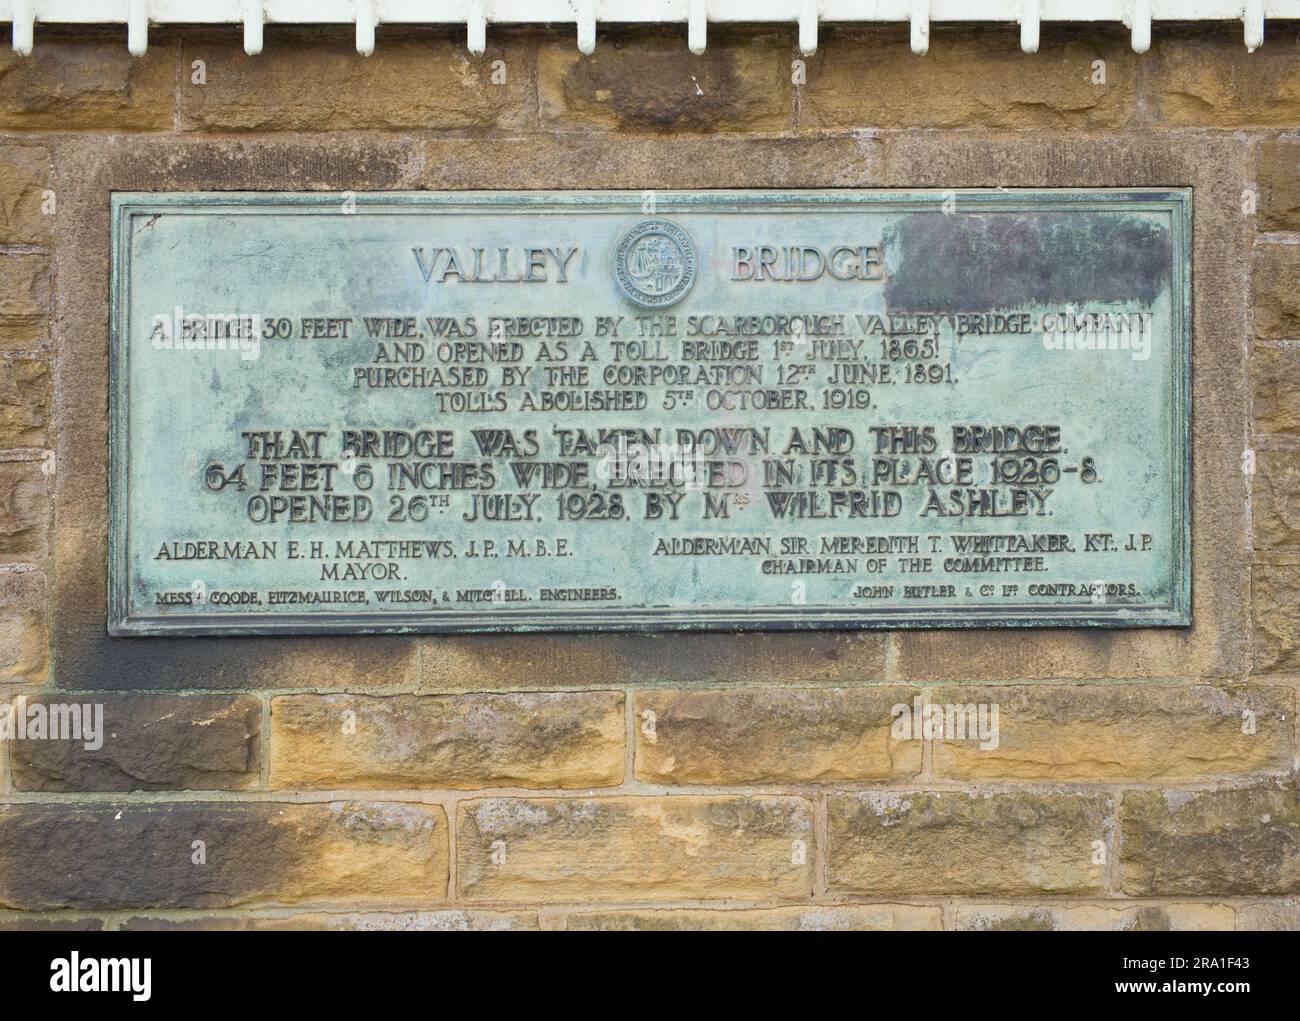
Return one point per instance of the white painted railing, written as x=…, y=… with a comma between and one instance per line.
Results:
x=584, y=15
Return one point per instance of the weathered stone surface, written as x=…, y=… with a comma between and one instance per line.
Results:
x=1079, y=654
x=444, y=920
x=766, y=735
x=141, y=856
x=671, y=160
x=31, y=923
x=868, y=78
x=1276, y=293
x=1270, y=914
x=826, y=918
x=1097, y=917
x=653, y=82
x=1205, y=77
x=24, y=298
x=1276, y=372
x=279, y=161
x=92, y=660
x=1223, y=842
x=557, y=739
x=1275, y=594
x=634, y=848
x=87, y=81
x=24, y=655
x=403, y=161
x=318, y=82
x=1278, y=180
x=24, y=402
x=1276, y=499
x=1121, y=732
x=24, y=511
x=150, y=742
x=538, y=661
x=929, y=842
x=24, y=178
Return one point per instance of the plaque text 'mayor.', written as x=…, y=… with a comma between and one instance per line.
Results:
x=582, y=410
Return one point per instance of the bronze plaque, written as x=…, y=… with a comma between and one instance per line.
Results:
x=589, y=411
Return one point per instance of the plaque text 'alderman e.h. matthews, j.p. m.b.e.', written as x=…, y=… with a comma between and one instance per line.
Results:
x=586, y=410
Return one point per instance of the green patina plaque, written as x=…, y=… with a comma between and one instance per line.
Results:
x=587, y=411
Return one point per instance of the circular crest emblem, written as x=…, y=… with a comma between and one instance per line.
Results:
x=655, y=263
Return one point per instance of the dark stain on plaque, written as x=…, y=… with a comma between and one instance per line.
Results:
x=971, y=262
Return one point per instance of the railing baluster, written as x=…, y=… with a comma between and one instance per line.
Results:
x=1030, y=18
x=254, y=15
x=586, y=26
x=476, y=26
x=920, y=26
x=1140, y=26
x=697, y=21
x=137, y=27
x=808, y=15
x=366, y=21
x=1254, y=19
x=24, y=26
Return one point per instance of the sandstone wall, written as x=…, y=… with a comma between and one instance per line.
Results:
x=1144, y=778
